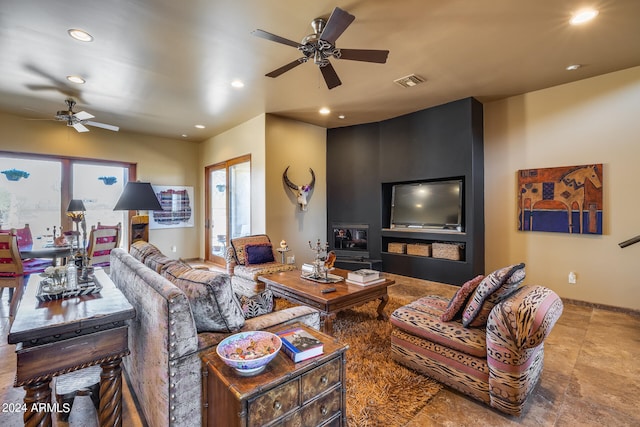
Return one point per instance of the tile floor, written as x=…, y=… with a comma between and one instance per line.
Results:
x=591, y=376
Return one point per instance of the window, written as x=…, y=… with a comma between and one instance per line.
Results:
x=40, y=196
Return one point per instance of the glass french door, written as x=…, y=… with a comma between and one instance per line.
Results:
x=228, y=205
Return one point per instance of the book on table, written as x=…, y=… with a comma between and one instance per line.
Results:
x=371, y=282
x=300, y=345
x=363, y=275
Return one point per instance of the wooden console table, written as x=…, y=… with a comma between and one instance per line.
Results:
x=310, y=393
x=56, y=337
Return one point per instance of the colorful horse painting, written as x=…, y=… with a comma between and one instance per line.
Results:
x=545, y=193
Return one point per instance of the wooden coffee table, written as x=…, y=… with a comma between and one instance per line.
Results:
x=291, y=286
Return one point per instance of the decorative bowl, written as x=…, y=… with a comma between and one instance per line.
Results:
x=249, y=352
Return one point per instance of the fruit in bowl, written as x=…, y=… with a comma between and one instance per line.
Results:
x=249, y=352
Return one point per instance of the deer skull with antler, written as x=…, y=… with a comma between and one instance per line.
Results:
x=301, y=191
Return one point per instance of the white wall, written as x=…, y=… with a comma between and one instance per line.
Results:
x=300, y=146
x=594, y=120
x=161, y=161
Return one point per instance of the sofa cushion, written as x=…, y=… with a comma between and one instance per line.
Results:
x=140, y=250
x=239, y=244
x=494, y=288
x=460, y=299
x=213, y=303
x=422, y=318
x=157, y=261
x=174, y=269
x=258, y=254
x=256, y=305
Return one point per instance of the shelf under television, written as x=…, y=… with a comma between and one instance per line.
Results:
x=425, y=234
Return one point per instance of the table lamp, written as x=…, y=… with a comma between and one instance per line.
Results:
x=138, y=196
x=76, y=211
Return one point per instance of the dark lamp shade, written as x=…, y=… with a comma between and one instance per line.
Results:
x=138, y=196
x=76, y=205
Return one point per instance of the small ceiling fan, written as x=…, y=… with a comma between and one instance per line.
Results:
x=80, y=119
x=320, y=46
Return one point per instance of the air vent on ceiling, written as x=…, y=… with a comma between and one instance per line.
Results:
x=409, y=81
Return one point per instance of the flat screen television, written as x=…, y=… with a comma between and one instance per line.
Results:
x=350, y=240
x=427, y=205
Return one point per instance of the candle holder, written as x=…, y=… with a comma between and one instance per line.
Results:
x=319, y=269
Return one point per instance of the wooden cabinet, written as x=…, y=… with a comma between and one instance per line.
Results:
x=309, y=393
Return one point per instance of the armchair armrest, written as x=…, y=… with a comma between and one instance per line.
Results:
x=516, y=330
x=230, y=258
x=523, y=320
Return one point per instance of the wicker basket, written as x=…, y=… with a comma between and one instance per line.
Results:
x=420, y=249
x=397, y=248
x=447, y=251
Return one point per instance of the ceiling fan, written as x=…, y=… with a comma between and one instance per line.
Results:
x=80, y=119
x=320, y=46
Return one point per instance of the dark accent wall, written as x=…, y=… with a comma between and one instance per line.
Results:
x=440, y=142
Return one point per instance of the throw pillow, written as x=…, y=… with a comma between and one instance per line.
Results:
x=460, y=299
x=502, y=282
x=258, y=254
x=239, y=243
x=213, y=303
x=256, y=305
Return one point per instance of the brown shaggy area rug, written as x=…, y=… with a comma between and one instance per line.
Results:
x=380, y=392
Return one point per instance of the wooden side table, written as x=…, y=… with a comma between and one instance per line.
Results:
x=309, y=393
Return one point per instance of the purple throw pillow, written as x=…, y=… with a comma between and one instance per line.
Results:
x=258, y=254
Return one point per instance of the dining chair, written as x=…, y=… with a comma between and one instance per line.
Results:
x=102, y=239
x=25, y=240
x=11, y=269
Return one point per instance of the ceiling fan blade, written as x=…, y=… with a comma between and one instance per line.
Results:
x=102, y=125
x=83, y=115
x=337, y=23
x=285, y=68
x=80, y=127
x=366, y=55
x=274, y=38
x=330, y=76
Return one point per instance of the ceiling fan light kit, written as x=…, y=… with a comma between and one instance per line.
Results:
x=320, y=46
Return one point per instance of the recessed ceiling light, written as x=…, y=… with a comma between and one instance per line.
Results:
x=583, y=16
x=573, y=67
x=184, y=135
x=200, y=126
x=76, y=79
x=237, y=83
x=341, y=116
x=80, y=35
x=324, y=111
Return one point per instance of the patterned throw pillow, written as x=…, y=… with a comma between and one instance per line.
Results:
x=460, y=299
x=258, y=254
x=212, y=300
x=494, y=288
x=256, y=305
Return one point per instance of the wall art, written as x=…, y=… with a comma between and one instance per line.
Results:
x=177, y=207
x=561, y=199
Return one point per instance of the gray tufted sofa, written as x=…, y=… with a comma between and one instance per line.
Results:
x=164, y=367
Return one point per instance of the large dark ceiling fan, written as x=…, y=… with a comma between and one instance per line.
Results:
x=320, y=46
x=80, y=119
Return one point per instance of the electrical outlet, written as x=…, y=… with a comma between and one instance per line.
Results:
x=572, y=278
x=174, y=248
x=291, y=259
